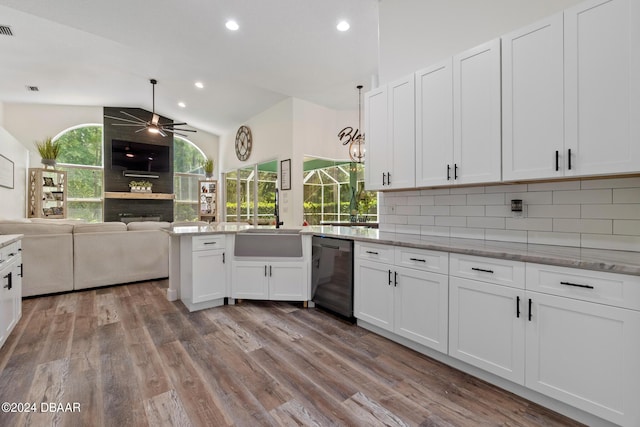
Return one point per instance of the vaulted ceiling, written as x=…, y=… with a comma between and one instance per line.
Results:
x=103, y=53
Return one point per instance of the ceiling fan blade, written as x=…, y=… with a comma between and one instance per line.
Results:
x=161, y=132
x=141, y=129
x=182, y=130
x=132, y=116
x=172, y=124
x=180, y=134
x=124, y=120
x=128, y=124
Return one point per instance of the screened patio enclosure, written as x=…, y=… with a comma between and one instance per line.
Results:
x=332, y=193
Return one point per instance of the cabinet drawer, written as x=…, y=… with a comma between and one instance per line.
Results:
x=375, y=251
x=9, y=252
x=490, y=270
x=200, y=243
x=423, y=259
x=618, y=290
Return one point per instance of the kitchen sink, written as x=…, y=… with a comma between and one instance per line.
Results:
x=269, y=243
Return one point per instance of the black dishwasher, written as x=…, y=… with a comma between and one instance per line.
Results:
x=332, y=275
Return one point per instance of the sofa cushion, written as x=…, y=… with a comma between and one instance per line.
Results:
x=58, y=221
x=30, y=228
x=99, y=227
x=148, y=225
x=192, y=224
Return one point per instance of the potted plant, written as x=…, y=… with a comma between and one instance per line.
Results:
x=49, y=151
x=207, y=165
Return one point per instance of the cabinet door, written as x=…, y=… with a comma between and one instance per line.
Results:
x=602, y=87
x=250, y=280
x=209, y=275
x=7, y=305
x=585, y=354
x=485, y=329
x=373, y=293
x=532, y=100
x=476, y=114
x=401, y=174
x=287, y=281
x=17, y=288
x=376, y=134
x=421, y=307
x=434, y=125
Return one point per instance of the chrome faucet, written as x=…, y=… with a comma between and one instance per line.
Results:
x=277, y=210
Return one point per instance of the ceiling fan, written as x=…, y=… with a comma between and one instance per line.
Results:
x=153, y=125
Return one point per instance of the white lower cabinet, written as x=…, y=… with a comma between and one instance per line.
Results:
x=409, y=302
x=485, y=327
x=203, y=274
x=278, y=280
x=11, y=289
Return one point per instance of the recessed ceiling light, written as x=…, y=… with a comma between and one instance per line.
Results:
x=343, y=26
x=232, y=25
x=181, y=104
x=199, y=85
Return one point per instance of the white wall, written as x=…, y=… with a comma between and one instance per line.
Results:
x=13, y=201
x=34, y=122
x=417, y=33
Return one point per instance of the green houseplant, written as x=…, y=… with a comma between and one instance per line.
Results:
x=207, y=165
x=48, y=150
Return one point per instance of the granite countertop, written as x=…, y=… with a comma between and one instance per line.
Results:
x=625, y=262
x=7, y=239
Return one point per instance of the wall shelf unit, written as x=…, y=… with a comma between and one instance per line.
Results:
x=207, y=201
x=47, y=196
x=138, y=196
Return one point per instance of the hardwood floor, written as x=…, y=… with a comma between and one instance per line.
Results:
x=131, y=358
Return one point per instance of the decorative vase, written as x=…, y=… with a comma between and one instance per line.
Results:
x=49, y=162
x=208, y=175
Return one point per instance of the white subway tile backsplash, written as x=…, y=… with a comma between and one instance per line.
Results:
x=466, y=190
x=434, y=192
x=449, y=200
x=511, y=188
x=589, y=184
x=430, y=230
x=434, y=210
x=486, y=199
x=535, y=224
x=600, y=213
x=451, y=221
x=596, y=226
x=421, y=220
x=625, y=226
x=626, y=195
x=531, y=198
x=553, y=238
x=582, y=197
x=553, y=211
x=496, y=210
x=408, y=210
x=467, y=210
x=485, y=222
x=467, y=233
x=506, y=235
x=554, y=186
x=620, y=211
x=615, y=242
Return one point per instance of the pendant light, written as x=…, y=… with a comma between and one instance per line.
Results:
x=356, y=147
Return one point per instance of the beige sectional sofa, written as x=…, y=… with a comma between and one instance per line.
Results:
x=63, y=255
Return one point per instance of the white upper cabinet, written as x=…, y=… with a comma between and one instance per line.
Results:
x=532, y=101
x=375, y=122
x=602, y=87
x=390, y=136
x=476, y=114
x=434, y=125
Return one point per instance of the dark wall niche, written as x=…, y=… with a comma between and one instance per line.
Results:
x=115, y=181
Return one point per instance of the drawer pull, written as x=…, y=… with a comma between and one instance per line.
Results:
x=518, y=307
x=389, y=277
x=12, y=254
x=577, y=285
x=482, y=269
x=418, y=259
x=529, y=309
x=210, y=243
x=395, y=279
x=373, y=253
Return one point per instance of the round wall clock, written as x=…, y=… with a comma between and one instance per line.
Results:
x=243, y=143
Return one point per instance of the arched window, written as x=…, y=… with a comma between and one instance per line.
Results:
x=81, y=156
x=187, y=170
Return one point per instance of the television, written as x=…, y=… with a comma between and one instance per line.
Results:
x=140, y=157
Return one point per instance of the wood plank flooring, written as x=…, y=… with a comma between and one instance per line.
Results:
x=131, y=358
